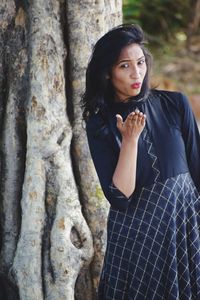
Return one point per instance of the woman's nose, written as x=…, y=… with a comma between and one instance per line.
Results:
x=135, y=74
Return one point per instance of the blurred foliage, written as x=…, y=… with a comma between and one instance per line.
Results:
x=162, y=20
x=173, y=31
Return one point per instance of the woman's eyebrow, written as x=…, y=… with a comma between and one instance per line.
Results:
x=128, y=59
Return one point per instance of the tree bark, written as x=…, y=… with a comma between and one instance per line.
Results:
x=13, y=83
x=53, y=213
x=96, y=18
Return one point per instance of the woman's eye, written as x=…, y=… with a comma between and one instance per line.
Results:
x=141, y=62
x=124, y=66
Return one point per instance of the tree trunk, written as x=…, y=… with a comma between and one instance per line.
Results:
x=53, y=213
x=82, y=39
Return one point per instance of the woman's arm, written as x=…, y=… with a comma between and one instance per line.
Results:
x=124, y=176
x=108, y=161
x=191, y=138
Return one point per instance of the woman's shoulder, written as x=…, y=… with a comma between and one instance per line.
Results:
x=94, y=121
x=167, y=94
x=96, y=124
x=172, y=98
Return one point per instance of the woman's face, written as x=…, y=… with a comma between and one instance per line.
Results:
x=128, y=73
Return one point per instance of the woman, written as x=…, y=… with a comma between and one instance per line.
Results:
x=145, y=146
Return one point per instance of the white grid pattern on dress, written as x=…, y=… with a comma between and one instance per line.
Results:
x=156, y=210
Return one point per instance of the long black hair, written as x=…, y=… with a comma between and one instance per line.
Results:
x=99, y=91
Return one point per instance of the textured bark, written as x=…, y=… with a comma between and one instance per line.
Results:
x=13, y=82
x=96, y=18
x=52, y=210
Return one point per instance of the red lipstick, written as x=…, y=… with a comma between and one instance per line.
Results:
x=136, y=85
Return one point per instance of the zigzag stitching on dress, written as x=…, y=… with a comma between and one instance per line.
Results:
x=154, y=157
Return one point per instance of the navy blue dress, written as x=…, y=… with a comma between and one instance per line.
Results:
x=153, y=243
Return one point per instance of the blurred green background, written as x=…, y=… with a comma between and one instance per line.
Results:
x=173, y=32
x=165, y=20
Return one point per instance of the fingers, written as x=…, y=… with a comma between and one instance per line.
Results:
x=119, y=122
x=133, y=125
x=138, y=117
x=143, y=120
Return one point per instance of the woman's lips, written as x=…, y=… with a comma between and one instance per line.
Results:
x=136, y=85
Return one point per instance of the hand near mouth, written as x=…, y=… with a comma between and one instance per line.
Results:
x=132, y=127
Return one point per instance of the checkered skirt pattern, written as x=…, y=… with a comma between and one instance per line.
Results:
x=153, y=248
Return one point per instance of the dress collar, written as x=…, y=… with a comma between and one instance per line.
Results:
x=131, y=104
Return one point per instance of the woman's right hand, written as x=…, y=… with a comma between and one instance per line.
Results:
x=132, y=127
x=124, y=177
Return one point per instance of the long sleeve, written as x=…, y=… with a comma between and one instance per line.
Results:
x=191, y=138
x=105, y=155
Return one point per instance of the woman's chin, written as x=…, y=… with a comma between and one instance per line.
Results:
x=135, y=93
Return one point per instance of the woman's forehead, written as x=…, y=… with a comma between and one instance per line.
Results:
x=131, y=52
